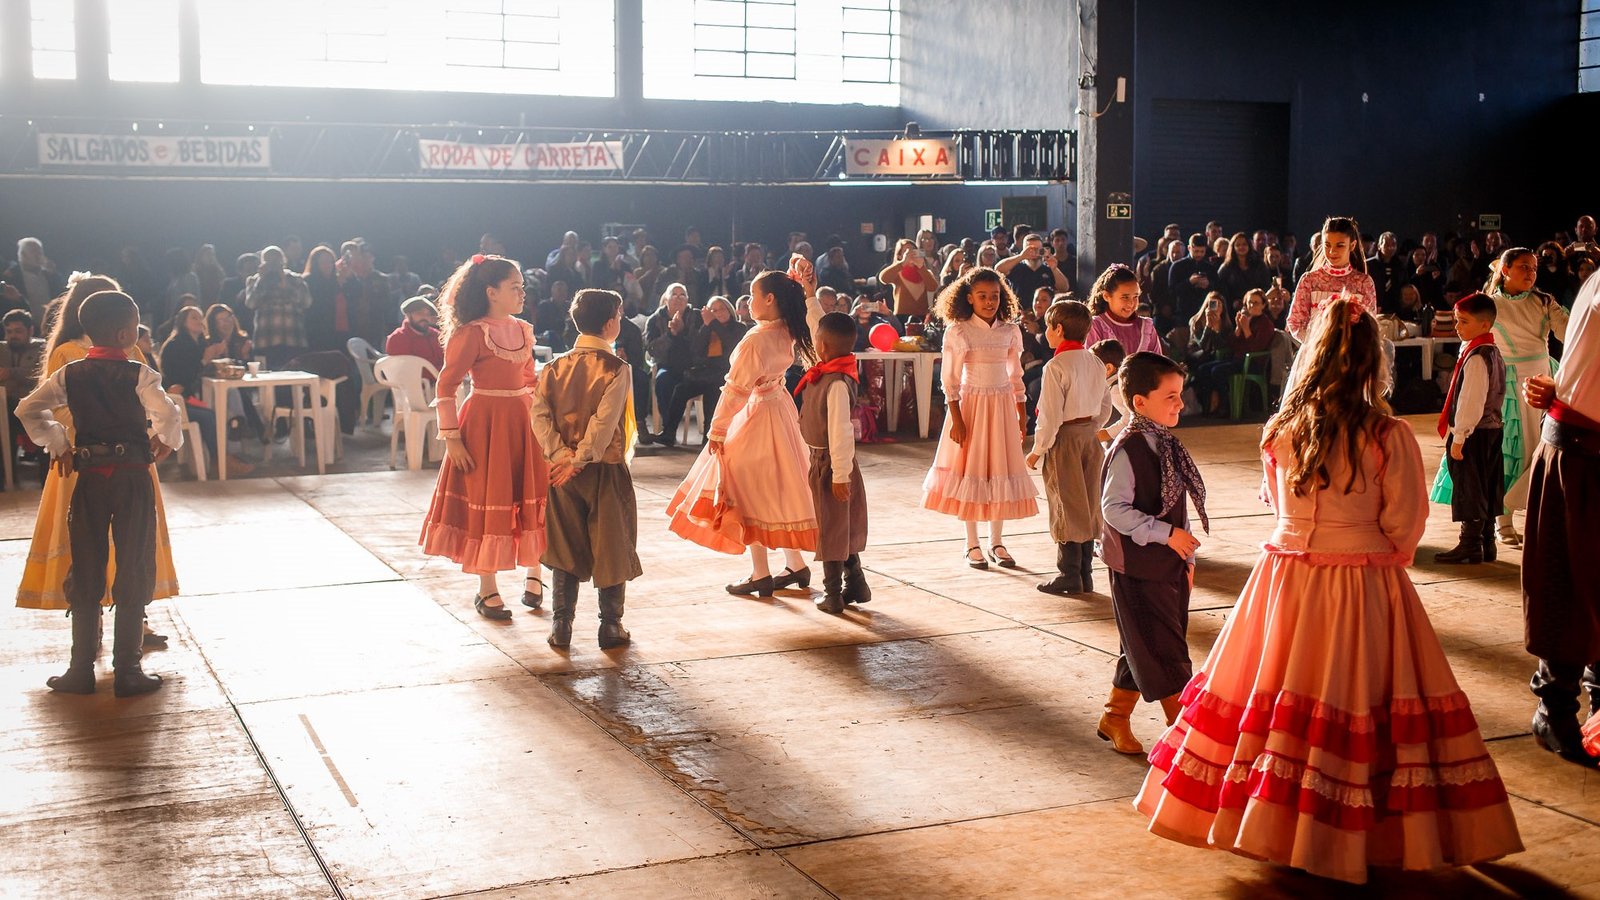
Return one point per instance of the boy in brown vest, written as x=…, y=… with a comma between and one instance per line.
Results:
x=111, y=399
x=583, y=418
x=1147, y=546
x=827, y=395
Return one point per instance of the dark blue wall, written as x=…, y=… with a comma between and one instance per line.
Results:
x=1422, y=148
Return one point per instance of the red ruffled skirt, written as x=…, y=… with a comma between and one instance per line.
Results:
x=492, y=518
x=1327, y=732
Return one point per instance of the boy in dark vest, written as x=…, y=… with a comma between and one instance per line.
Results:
x=827, y=394
x=124, y=423
x=583, y=419
x=1471, y=425
x=1147, y=545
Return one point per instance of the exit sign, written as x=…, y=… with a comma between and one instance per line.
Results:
x=1119, y=210
x=991, y=219
x=1488, y=221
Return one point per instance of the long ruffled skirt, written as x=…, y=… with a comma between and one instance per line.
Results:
x=50, y=553
x=1327, y=732
x=757, y=491
x=491, y=519
x=986, y=478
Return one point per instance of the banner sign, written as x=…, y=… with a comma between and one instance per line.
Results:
x=922, y=156
x=155, y=151
x=581, y=156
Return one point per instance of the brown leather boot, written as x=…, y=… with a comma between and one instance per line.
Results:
x=1172, y=707
x=1113, y=725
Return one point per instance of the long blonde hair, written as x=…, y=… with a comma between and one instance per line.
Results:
x=1334, y=399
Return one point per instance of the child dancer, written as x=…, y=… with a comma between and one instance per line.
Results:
x=748, y=489
x=50, y=553
x=1111, y=354
x=583, y=417
x=112, y=449
x=1147, y=546
x=1338, y=269
x=1525, y=320
x=827, y=395
x=1471, y=424
x=487, y=513
x=1114, y=300
x=1325, y=730
x=1073, y=405
x=1560, y=595
x=979, y=473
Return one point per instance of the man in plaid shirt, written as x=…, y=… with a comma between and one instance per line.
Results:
x=280, y=300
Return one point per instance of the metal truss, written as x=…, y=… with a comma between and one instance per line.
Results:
x=389, y=153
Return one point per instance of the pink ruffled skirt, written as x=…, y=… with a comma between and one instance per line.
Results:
x=757, y=492
x=987, y=477
x=1327, y=732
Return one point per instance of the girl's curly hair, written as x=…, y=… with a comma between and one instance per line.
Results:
x=954, y=303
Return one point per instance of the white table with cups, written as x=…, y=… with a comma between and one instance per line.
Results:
x=304, y=388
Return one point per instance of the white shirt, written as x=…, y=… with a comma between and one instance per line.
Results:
x=1471, y=397
x=1578, y=382
x=1073, y=387
x=841, y=432
x=37, y=416
x=1118, y=403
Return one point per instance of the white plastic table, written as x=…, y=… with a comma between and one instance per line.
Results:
x=1427, y=345
x=921, y=375
x=302, y=385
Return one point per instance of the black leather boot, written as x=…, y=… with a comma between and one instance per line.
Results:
x=1555, y=723
x=612, y=634
x=1086, y=565
x=127, y=648
x=79, y=677
x=563, y=606
x=1469, y=549
x=1069, y=578
x=1490, y=553
x=800, y=578
x=832, y=588
x=856, y=589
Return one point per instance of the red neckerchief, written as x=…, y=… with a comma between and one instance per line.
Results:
x=844, y=365
x=1064, y=346
x=107, y=353
x=1483, y=340
x=1566, y=415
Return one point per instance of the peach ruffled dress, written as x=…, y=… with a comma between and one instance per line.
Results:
x=1326, y=730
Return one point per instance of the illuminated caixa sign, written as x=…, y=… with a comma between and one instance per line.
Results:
x=911, y=156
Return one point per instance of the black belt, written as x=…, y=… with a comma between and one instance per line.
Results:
x=117, y=454
x=1570, y=438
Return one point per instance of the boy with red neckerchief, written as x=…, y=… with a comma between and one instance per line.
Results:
x=111, y=399
x=827, y=395
x=1074, y=403
x=1471, y=425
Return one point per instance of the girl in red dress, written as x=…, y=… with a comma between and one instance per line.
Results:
x=487, y=513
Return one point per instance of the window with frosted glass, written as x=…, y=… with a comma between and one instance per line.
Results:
x=55, y=40
x=1589, y=46
x=563, y=47
x=144, y=40
x=801, y=51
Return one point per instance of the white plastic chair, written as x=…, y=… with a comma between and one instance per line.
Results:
x=413, y=405
x=695, y=411
x=193, y=446
x=323, y=415
x=371, y=390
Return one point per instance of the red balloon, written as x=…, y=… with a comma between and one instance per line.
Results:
x=883, y=336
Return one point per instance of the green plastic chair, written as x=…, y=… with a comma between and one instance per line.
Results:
x=1237, y=384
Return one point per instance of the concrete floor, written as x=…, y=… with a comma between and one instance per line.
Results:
x=338, y=722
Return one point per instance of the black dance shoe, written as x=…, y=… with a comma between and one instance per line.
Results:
x=759, y=587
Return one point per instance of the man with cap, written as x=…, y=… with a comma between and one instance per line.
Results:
x=418, y=335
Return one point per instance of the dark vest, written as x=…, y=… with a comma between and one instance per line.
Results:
x=813, y=412
x=1494, y=402
x=103, y=397
x=1151, y=562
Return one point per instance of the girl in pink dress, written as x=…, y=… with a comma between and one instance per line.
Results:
x=1114, y=300
x=1326, y=730
x=979, y=472
x=1337, y=270
x=749, y=488
x=487, y=513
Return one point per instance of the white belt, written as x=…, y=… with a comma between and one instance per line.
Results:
x=489, y=392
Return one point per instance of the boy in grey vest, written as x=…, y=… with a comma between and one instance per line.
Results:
x=827, y=395
x=1472, y=425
